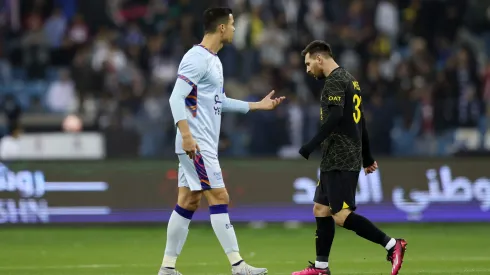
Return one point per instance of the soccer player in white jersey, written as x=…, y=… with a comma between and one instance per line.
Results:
x=197, y=103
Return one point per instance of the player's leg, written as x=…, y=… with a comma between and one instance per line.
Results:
x=178, y=224
x=188, y=201
x=218, y=200
x=344, y=215
x=325, y=231
x=325, y=224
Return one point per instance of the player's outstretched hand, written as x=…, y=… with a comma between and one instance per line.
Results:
x=371, y=169
x=190, y=146
x=269, y=103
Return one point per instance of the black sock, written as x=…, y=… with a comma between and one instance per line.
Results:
x=366, y=229
x=325, y=231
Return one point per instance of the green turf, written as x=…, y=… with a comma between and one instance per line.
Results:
x=432, y=249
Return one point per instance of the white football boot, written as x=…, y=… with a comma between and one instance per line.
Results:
x=168, y=271
x=246, y=269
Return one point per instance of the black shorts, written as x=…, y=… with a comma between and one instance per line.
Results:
x=337, y=189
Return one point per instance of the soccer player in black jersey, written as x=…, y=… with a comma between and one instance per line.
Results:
x=345, y=147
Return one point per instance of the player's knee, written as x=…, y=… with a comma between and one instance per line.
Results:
x=217, y=196
x=320, y=210
x=341, y=216
x=189, y=200
x=189, y=205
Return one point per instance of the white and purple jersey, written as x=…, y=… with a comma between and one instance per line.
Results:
x=199, y=97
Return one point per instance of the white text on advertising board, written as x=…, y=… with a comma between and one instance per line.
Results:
x=26, y=203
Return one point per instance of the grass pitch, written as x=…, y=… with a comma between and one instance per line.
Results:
x=432, y=249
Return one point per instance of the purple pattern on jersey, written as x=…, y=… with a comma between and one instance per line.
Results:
x=191, y=99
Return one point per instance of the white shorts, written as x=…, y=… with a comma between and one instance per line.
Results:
x=202, y=173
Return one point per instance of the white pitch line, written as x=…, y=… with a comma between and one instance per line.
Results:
x=76, y=186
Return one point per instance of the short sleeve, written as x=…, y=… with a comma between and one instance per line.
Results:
x=192, y=68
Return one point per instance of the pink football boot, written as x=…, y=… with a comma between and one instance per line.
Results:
x=312, y=270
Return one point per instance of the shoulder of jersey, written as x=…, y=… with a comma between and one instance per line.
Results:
x=200, y=51
x=195, y=52
x=346, y=75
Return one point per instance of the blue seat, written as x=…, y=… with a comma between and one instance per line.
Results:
x=37, y=88
x=3, y=89
x=52, y=74
x=24, y=100
x=16, y=87
x=19, y=74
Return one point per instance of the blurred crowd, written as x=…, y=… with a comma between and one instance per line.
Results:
x=423, y=67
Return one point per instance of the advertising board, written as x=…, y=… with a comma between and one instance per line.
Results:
x=60, y=146
x=451, y=190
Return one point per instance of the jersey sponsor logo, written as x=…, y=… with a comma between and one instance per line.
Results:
x=333, y=98
x=217, y=105
x=217, y=99
x=218, y=176
x=356, y=86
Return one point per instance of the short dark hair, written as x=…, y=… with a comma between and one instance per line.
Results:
x=214, y=17
x=318, y=47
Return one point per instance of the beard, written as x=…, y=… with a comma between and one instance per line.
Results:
x=319, y=76
x=317, y=73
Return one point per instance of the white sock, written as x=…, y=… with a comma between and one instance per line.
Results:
x=321, y=265
x=234, y=258
x=177, y=231
x=390, y=244
x=220, y=220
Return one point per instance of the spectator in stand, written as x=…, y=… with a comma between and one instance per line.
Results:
x=420, y=65
x=55, y=28
x=61, y=96
x=12, y=109
x=78, y=32
x=35, y=49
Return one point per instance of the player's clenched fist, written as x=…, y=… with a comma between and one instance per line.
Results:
x=190, y=146
x=371, y=168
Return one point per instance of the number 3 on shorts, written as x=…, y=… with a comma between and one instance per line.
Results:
x=357, y=111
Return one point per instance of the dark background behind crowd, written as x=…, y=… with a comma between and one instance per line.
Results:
x=423, y=68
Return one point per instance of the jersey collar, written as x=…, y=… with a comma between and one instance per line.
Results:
x=211, y=52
